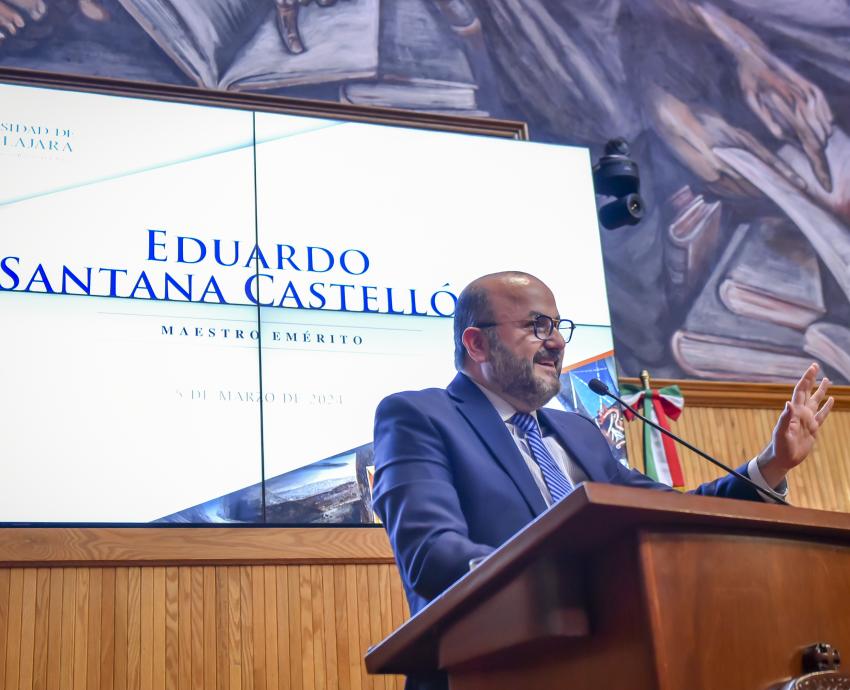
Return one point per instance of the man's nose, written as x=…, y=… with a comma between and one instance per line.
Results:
x=555, y=340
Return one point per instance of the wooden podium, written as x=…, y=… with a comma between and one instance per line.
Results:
x=629, y=588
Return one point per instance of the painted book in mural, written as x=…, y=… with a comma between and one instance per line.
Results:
x=830, y=343
x=774, y=276
x=421, y=66
x=235, y=44
x=692, y=237
x=716, y=343
x=823, y=217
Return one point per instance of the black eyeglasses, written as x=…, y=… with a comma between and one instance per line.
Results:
x=543, y=325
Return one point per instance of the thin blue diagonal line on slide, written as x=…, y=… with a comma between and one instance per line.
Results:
x=166, y=164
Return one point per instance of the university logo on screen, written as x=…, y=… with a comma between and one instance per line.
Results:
x=18, y=137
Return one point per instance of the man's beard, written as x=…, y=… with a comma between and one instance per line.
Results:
x=516, y=376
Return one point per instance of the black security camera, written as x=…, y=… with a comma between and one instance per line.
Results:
x=627, y=210
x=617, y=175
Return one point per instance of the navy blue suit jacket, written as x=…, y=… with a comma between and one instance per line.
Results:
x=451, y=485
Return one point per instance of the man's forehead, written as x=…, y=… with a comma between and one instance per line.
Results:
x=522, y=296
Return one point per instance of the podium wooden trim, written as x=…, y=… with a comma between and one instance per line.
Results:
x=620, y=587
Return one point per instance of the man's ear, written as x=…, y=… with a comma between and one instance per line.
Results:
x=476, y=344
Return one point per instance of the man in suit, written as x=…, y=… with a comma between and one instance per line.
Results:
x=460, y=470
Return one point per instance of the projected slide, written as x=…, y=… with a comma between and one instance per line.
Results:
x=202, y=307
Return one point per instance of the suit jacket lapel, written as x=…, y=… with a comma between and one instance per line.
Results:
x=490, y=428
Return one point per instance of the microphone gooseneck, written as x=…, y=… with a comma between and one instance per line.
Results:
x=600, y=388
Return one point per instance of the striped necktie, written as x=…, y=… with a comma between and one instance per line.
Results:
x=557, y=483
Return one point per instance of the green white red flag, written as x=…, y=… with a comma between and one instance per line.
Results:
x=660, y=458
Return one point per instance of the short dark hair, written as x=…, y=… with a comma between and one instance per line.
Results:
x=473, y=307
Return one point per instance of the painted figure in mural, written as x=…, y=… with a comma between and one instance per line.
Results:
x=460, y=470
x=791, y=107
x=18, y=15
x=287, y=21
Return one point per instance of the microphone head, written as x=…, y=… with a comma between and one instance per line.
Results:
x=598, y=387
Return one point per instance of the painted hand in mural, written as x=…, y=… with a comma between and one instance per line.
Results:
x=795, y=431
x=287, y=22
x=15, y=15
x=788, y=104
x=694, y=132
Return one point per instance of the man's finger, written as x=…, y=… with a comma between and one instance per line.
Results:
x=823, y=412
x=804, y=385
x=784, y=421
x=820, y=393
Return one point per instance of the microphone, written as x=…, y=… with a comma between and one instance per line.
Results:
x=600, y=388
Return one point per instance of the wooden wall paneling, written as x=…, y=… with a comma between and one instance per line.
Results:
x=184, y=628
x=234, y=628
x=172, y=649
x=222, y=659
x=363, y=626
x=329, y=625
x=158, y=652
x=343, y=631
x=82, y=594
x=122, y=585
x=258, y=620
x=209, y=680
x=296, y=642
x=305, y=604
x=27, y=628
x=5, y=577
x=373, y=578
x=93, y=626
x=134, y=628
x=41, y=629
x=355, y=651
x=842, y=443
x=13, y=635
x=399, y=613
x=187, y=546
x=246, y=655
x=281, y=625
x=146, y=627
x=66, y=668
x=385, y=606
x=269, y=631
x=107, y=629
x=315, y=608
x=196, y=618
x=831, y=489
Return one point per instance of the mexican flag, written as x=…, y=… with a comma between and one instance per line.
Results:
x=661, y=461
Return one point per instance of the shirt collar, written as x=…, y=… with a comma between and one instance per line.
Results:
x=503, y=407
